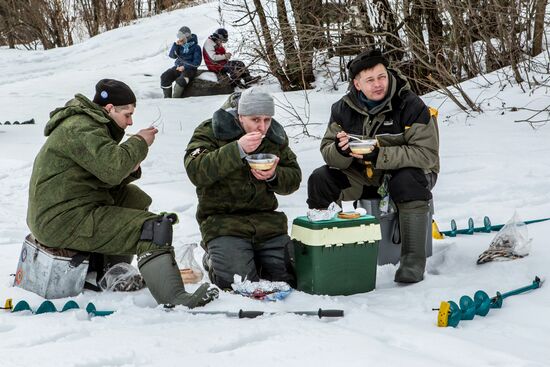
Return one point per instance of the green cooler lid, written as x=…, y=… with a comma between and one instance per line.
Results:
x=303, y=221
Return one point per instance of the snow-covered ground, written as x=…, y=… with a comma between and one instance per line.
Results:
x=490, y=165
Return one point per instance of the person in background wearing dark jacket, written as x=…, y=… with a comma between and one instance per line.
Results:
x=405, y=160
x=187, y=52
x=80, y=196
x=241, y=229
x=217, y=59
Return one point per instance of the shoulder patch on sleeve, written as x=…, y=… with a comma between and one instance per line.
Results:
x=195, y=153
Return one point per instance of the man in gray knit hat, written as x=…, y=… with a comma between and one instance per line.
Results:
x=242, y=233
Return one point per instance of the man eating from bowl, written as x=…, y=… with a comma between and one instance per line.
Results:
x=242, y=233
x=404, y=162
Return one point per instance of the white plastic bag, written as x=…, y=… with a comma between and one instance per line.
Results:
x=189, y=268
x=122, y=277
x=511, y=242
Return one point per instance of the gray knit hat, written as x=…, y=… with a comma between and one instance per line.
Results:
x=184, y=32
x=255, y=102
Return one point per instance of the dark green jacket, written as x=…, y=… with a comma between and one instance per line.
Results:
x=406, y=131
x=76, y=169
x=232, y=202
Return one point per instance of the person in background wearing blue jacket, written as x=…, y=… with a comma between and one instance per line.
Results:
x=188, y=55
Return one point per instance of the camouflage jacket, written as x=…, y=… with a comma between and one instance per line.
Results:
x=232, y=202
x=76, y=169
x=404, y=126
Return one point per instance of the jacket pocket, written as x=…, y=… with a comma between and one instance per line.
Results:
x=86, y=227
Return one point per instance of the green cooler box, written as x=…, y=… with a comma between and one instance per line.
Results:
x=337, y=256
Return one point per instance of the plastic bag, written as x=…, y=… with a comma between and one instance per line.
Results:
x=122, y=277
x=315, y=215
x=511, y=242
x=263, y=290
x=189, y=268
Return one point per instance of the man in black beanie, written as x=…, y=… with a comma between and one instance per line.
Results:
x=81, y=197
x=403, y=163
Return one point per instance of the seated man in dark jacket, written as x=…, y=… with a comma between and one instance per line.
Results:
x=405, y=160
x=241, y=230
x=187, y=53
x=80, y=196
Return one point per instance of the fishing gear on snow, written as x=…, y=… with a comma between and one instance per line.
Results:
x=48, y=307
x=486, y=228
x=451, y=313
x=242, y=314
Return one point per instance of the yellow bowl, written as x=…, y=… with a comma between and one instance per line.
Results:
x=261, y=161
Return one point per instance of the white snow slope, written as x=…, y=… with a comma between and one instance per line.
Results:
x=490, y=165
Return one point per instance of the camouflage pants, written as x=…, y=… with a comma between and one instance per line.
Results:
x=115, y=229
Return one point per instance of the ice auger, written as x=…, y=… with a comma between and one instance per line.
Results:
x=486, y=228
x=48, y=306
x=450, y=313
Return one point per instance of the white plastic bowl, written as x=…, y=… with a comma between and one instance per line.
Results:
x=261, y=161
x=362, y=146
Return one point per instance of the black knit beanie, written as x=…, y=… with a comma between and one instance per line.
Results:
x=366, y=60
x=114, y=92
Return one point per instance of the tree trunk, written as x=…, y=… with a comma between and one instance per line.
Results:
x=307, y=31
x=538, y=32
x=389, y=28
x=269, y=49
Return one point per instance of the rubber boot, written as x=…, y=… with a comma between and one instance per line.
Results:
x=178, y=91
x=413, y=223
x=164, y=281
x=167, y=92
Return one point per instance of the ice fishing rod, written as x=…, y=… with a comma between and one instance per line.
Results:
x=486, y=228
x=450, y=313
x=48, y=307
x=242, y=314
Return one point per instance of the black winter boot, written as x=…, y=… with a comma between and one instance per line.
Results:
x=163, y=279
x=167, y=91
x=413, y=223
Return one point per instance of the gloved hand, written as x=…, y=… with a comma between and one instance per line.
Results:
x=172, y=217
x=372, y=156
x=346, y=152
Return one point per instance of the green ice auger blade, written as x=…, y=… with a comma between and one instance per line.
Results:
x=71, y=305
x=482, y=302
x=486, y=226
x=21, y=306
x=454, y=314
x=46, y=307
x=467, y=308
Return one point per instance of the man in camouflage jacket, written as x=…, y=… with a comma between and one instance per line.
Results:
x=381, y=105
x=241, y=230
x=80, y=196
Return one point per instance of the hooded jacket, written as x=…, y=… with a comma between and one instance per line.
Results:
x=76, y=169
x=404, y=126
x=214, y=55
x=232, y=202
x=187, y=55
